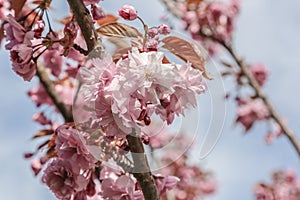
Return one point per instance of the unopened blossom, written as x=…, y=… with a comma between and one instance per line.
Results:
x=97, y=12
x=152, y=32
x=41, y=118
x=164, y=29
x=36, y=166
x=38, y=28
x=251, y=111
x=62, y=179
x=128, y=12
x=70, y=145
x=260, y=73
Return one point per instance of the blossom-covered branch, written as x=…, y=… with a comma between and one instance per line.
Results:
x=259, y=92
x=212, y=29
x=51, y=91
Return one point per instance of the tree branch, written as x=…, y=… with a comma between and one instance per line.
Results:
x=141, y=170
x=252, y=81
x=50, y=89
x=85, y=22
x=259, y=92
x=144, y=178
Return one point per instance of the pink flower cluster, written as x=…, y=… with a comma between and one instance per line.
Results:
x=126, y=94
x=211, y=19
x=250, y=111
x=260, y=73
x=20, y=46
x=284, y=186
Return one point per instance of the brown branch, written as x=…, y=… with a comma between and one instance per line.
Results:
x=252, y=81
x=259, y=92
x=144, y=178
x=50, y=89
x=85, y=22
x=141, y=170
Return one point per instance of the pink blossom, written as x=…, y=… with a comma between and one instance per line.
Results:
x=62, y=179
x=39, y=96
x=14, y=32
x=41, y=118
x=21, y=56
x=53, y=60
x=164, y=183
x=128, y=12
x=251, y=111
x=36, y=166
x=70, y=145
x=163, y=29
x=97, y=12
x=116, y=185
x=152, y=32
x=260, y=73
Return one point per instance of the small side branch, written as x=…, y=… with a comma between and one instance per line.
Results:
x=50, y=89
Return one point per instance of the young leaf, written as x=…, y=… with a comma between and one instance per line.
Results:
x=185, y=51
x=107, y=20
x=116, y=29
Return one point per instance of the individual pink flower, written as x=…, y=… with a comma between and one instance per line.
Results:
x=164, y=183
x=251, y=111
x=39, y=96
x=70, y=145
x=163, y=29
x=38, y=28
x=115, y=184
x=128, y=12
x=97, y=12
x=63, y=179
x=260, y=73
x=53, y=60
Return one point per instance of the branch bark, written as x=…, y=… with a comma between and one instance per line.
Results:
x=141, y=170
x=144, y=178
x=51, y=91
x=259, y=92
x=252, y=82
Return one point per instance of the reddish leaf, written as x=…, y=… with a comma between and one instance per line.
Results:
x=107, y=19
x=118, y=30
x=42, y=133
x=186, y=51
x=17, y=6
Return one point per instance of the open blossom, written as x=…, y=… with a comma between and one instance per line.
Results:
x=70, y=145
x=164, y=183
x=260, y=73
x=251, y=111
x=115, y=184
x=128, y=12
x=63, y=179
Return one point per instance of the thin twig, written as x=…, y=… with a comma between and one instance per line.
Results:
x=259, y=92
x=51, y=91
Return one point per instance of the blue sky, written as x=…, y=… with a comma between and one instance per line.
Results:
x=267, y=32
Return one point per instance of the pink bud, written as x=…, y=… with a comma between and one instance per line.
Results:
x=128, y=12
x=164, y=29
x=97, y=12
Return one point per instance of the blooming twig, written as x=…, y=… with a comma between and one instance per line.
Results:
x=85, y=23
x=247, y=73
x=51, y=91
